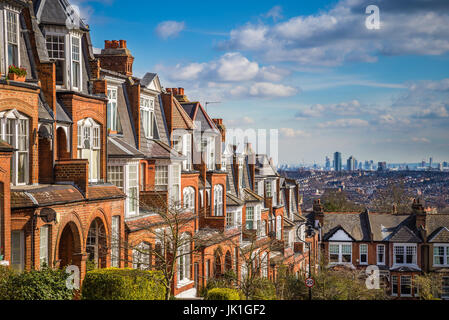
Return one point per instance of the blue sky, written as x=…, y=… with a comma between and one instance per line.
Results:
x=310, y=69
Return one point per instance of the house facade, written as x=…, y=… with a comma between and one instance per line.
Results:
x=92, y=158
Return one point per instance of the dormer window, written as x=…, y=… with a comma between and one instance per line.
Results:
x=12, y=35
x=89, y=146
x=56, y=52
x=147, y=115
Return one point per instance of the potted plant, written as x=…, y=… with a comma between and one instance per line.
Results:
x=16, y=73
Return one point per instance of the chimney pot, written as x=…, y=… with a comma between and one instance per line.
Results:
x=122, y=43
x=181, y=91
x=175, y=91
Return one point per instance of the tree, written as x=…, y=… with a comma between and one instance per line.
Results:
x=429, y=286
x=394, y=198
x=337, y=201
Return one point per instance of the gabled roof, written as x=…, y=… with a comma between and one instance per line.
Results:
x=440, y=235
x=251, y=196
x=352, y=223
x=181, y=119
x=341, y=231
x=151, y=81
x=435, y=221
x=404, y=234
x=385, y=225
x=197, y=113
x=233, y=201
x=56, y=12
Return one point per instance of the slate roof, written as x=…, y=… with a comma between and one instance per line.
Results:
x=147, y=79
x=405, y=235
x=46, y=195
x=118, y=148
x=233, y=201
x=434, y=225
x=44, y=110
x=61, y=114
x=386, y=225
x=198, y=114
x=54, y=12
x=351, y=223
x=251, y=196
x=440, y=235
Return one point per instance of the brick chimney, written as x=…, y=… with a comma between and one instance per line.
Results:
x=420, y=213
x=221, y=127
x=179, y=94
x=116, y=57
x=318, y=211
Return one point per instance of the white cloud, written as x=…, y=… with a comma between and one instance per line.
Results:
x=235, y=67
x=420, y=140
x=350, y=108
x=275, y=13
x=169, y=29
x=344, y=123
x=292, y=133
x=336, y=36
x=267, y=89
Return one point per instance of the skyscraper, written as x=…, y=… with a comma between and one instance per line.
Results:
x=430, y=162
x=382, y=166
x=328, y=163
x=350, y=164
x=337, y=161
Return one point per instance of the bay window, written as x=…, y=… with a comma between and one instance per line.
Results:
x=363, y=254
x=133, y=190
x=340, y=253
x=394, y=285
x=229, y=219
x=89, y=146
x=406, y=286
x=268, y=189
x=14, y=129
x=218, y=200
x=125, y=177
x=147, y=115
x=17, y=250
x=441, y=255
x=12, y=37
x=187, y=151
x=404, y=254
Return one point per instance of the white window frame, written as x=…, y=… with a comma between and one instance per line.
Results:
x=230, y=222
x=250, y=217
x=115, y=242
x=6, y=11
x=20, y=265
x=79, y=62
x=16, y=117
x=405, y=248
x=44, y=245
x=411, y=286
x=189, y=198
x=147, y=107
x=84, y=126
x=218, y=200
x=64, y=59
x=132, y=187
x=187, y=151
x=363, y=253
x=445, y=254
x=175, y=183
x=340, y=252
x=279, y=227
x=121, y=172
x=161, y=177
x=379, y=246
x=112, y=112
x=184, y=260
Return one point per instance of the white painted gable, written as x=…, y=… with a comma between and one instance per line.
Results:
x=340, y=235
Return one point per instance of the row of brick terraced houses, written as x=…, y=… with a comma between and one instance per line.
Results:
x=86, y=148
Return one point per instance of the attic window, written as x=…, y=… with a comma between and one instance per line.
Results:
x=56, y=52
x=147, y=115
x=12, y=32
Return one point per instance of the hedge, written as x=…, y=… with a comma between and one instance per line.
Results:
x=123, y=284
x=223, y=294
x=45, y=284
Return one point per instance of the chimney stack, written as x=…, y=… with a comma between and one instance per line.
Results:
x=116, y=57
x=221, y=127
x=420, y=213
x=318, y=211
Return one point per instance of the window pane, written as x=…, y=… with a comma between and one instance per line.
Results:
x=44, y=246
x=406, y=285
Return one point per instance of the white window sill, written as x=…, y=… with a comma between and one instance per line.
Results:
x=183, y=283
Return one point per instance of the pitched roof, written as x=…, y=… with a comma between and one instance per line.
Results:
x=118, y=148
x=435, y=222
x=198, y=114
x=385, y=225
x=404, y=234
x=55, y=12
x=233, y=201
x=439, y=235
x=352, y=223
x=251, y=196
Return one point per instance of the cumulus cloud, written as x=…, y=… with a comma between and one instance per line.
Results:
x=292, y=133
x=344, y=123
x=169, y=29
x=267, y=89
x=339, y=35
x=275, y=13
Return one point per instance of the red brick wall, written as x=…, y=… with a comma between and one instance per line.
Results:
x=76, y=171
x=5, y=203
x=134, y=101
x=25, y=101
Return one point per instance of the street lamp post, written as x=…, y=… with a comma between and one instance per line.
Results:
x=310, y=232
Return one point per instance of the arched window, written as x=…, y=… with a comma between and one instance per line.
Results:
x=96, y=244
x=189, y=198
x=14, y=129
x=184, y=253
x=89, y=145
x=218, y=200
x=279, y=227
x=142, y=256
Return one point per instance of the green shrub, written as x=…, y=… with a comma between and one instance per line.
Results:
x=264, y=289
x=123, y=284
x=45, y=284
x=223, y=294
